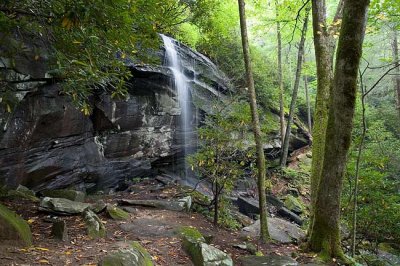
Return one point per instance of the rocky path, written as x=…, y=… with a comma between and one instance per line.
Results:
x=157, y=230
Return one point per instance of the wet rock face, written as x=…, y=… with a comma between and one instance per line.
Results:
x=46, y=143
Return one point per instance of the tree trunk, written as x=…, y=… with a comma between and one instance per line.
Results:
x=325, y=234
x=395, y=47
x=309, y=119
x=324, y=46
x=264, y=234
x=280, y=75
x=300, y=55
x=216, y=203
x=357, y=174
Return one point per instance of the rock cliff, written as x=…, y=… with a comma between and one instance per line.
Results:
x=46, y=143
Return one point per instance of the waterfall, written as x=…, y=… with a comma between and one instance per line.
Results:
x=174, y=62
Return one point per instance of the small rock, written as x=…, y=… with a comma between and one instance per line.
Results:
x=95, y=228
x=64, y=194
x=201, y=253
x=117, y=213
x=135, y=255
x=187, y=202
x=99, y=206
x=13, y=228
x=242, y=219
x=211, y=256
x=62, y=206
x=250, y=247
x=271, y=260
x=59, y=230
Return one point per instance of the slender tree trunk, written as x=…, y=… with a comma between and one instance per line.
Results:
x=309, y=119
x=216, y=203
x=357, y=174
x=395, y=48
x=324, y=46
x=325, y=234
x=300, y=55
x=264, y=234
x=280, y=75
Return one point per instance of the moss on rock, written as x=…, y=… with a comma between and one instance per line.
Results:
x=135, y=255
x=14, y=228
x=64, y=194
x=117, y=213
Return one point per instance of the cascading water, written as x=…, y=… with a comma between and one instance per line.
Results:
x=174, y=62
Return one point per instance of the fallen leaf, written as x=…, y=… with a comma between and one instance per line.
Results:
x=42, y=249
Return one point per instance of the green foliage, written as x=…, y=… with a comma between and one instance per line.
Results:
x=223, y=152
x=378, y=197
x=87, y=43
x=226, y=218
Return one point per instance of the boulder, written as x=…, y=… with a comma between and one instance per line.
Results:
x=241, y=218
x=201, y=253
x=270, y=260
x=250, y=207
x=135, y=255
x=22, y=192
x=187, y=202
x=13, y=228
x=95, y=228
x=98, y=206
x=279, y=230
x=285, y=213
x=59, y=230
x=250, y=247
x=179, y=205
x=62, y=206
x=292, y=203
x=116, y=213
x=64, y=194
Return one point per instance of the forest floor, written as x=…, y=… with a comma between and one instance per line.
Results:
x=157, y=230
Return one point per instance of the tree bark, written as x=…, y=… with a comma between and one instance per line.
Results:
x=216, y=203
x=309, y=118
x=264, y=234
x=325, y=234
x=300, y=55
x=280, y=76
x=357, y=174
x=395, y=48
x=324, y=46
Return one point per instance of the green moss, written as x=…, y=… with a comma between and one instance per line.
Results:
x=64, y=194
x=191, y=232
x=294, y=204
x=117, y=213
x=15, y=222
x=191, y=242
x=146, y=256
x=136, y=255
x=259, y=253
x=14, y=194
